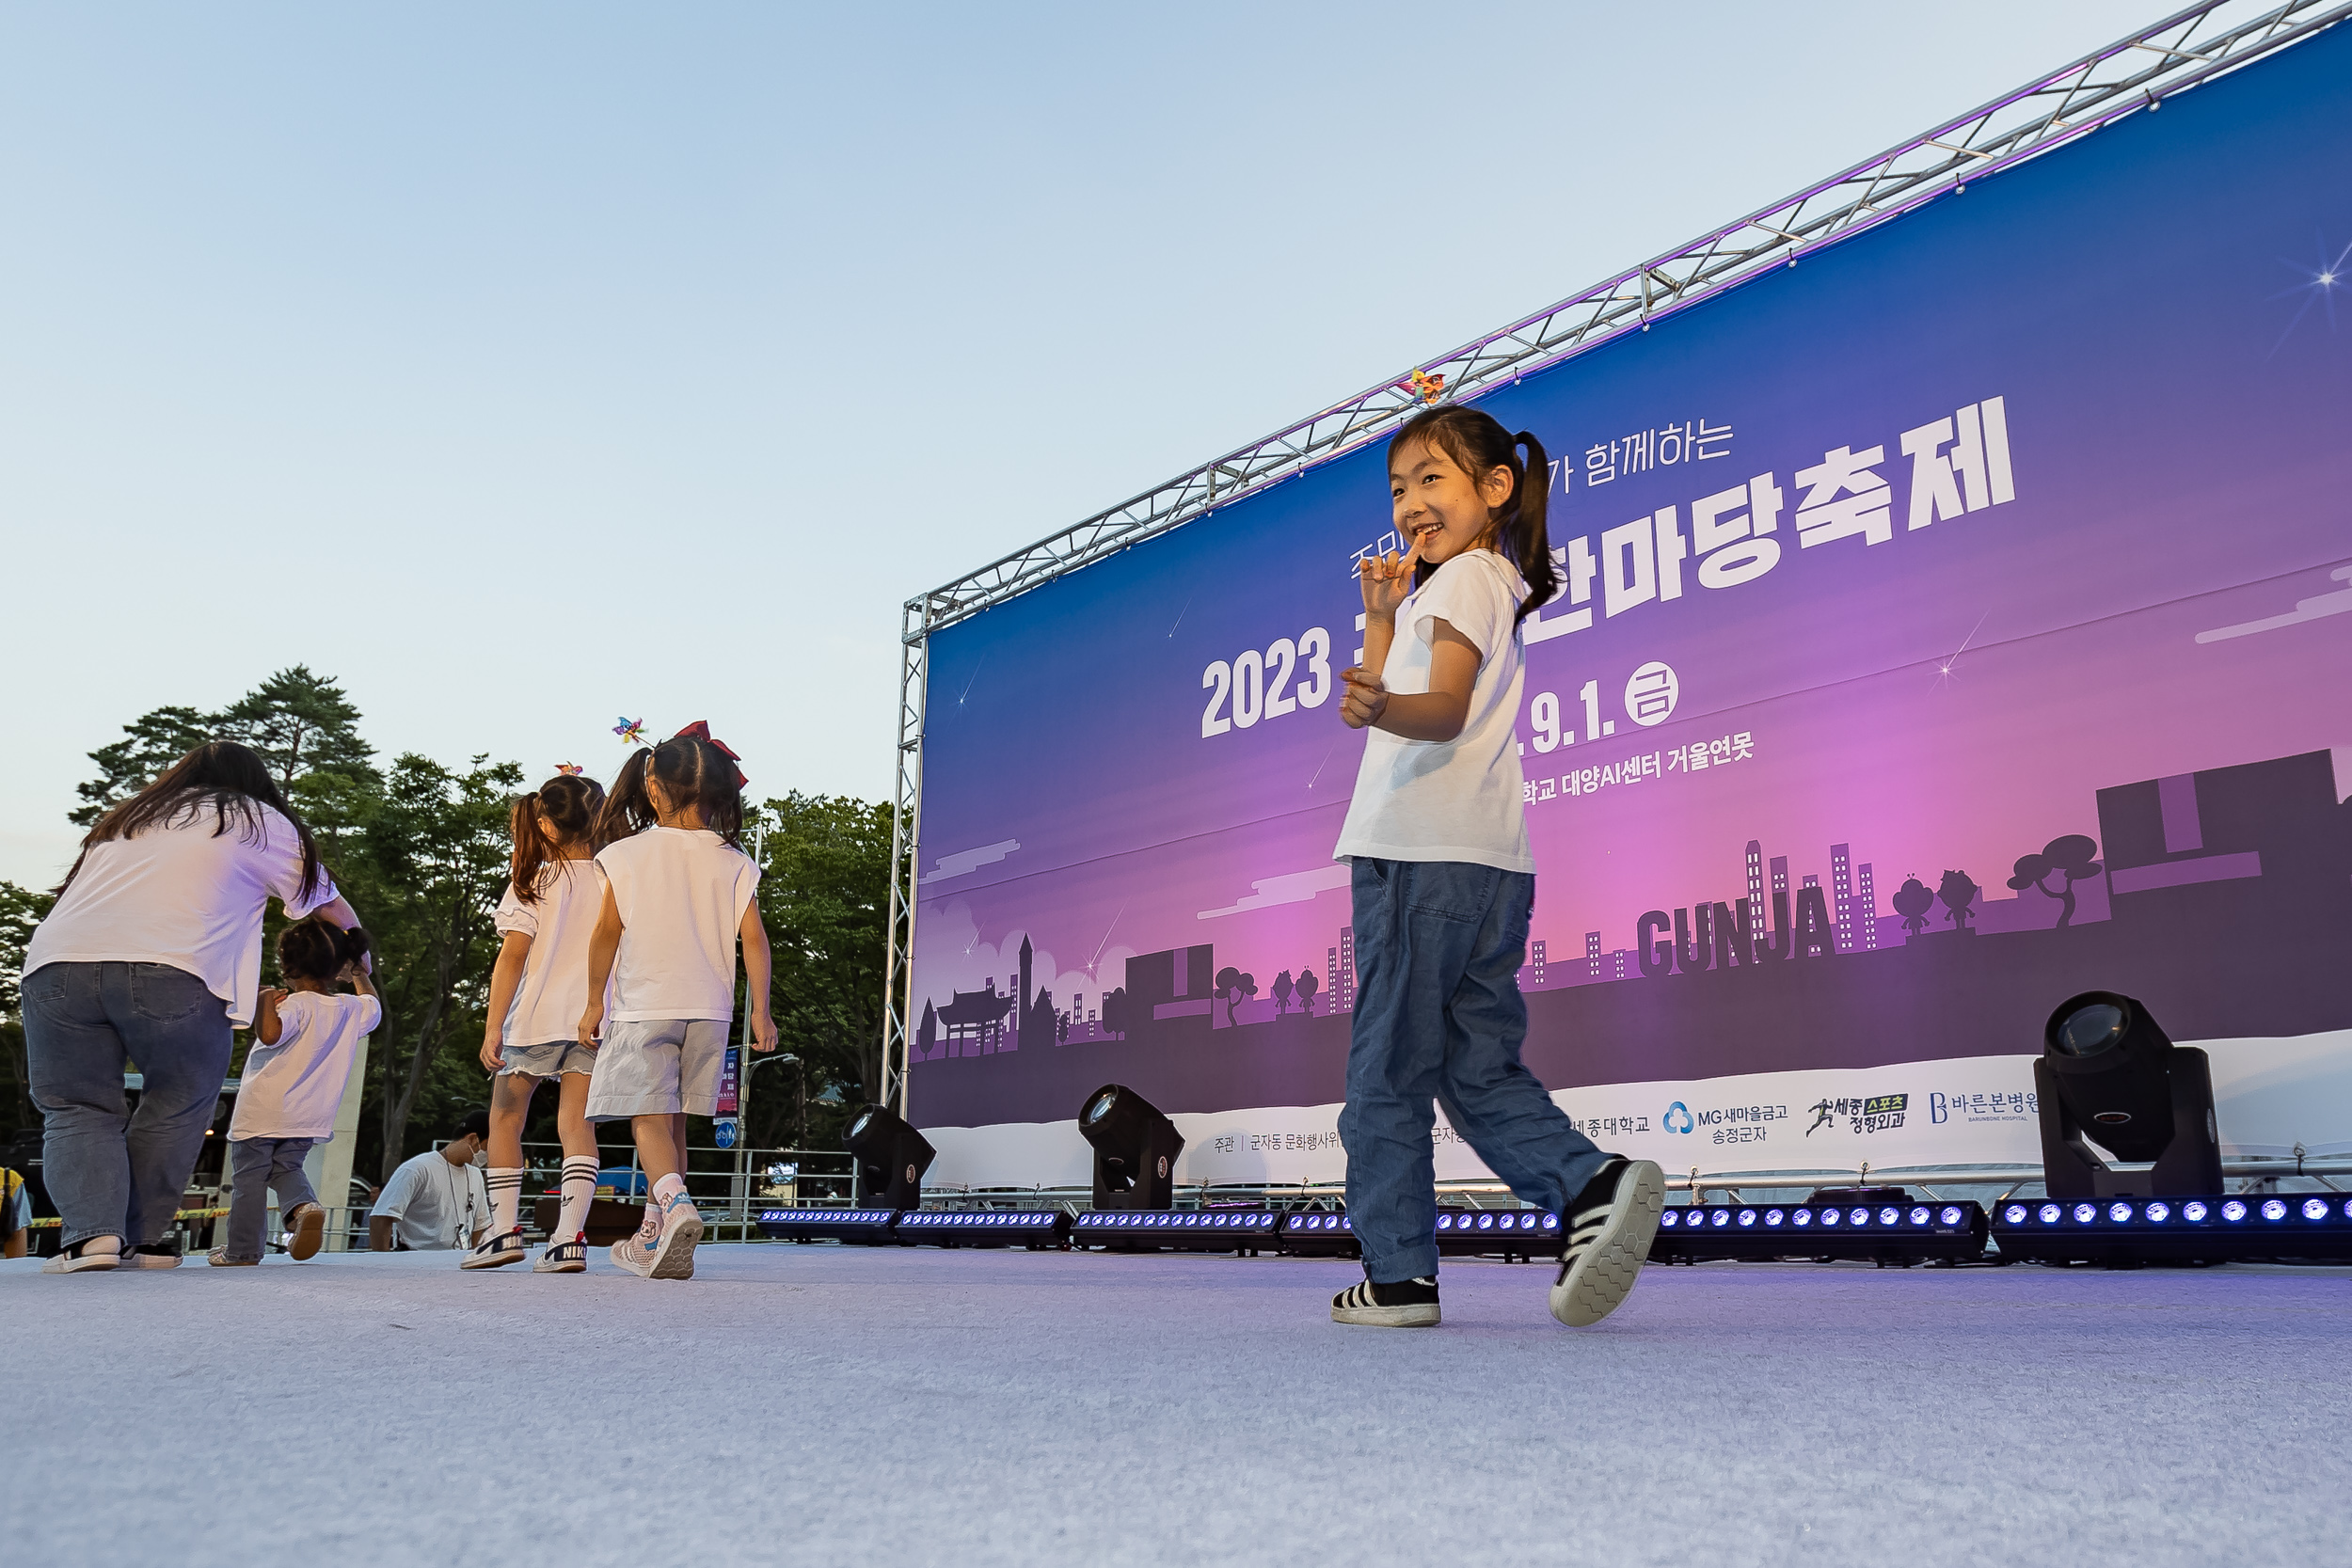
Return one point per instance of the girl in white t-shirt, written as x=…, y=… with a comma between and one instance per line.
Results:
x=538, y=988
x=1444, y=884
x=679, y=892
x=305, y=1040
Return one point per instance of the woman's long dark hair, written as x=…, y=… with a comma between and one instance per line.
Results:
x=222, y=774
x=693, y=773
x=1478, y=444
x=574, y=803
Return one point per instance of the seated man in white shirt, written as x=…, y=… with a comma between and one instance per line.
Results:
x=439, y=1199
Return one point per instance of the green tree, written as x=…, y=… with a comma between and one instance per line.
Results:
x=150, y=744
x=824, y=894
x=300, y=724
x=21, y=909
x=423, y=857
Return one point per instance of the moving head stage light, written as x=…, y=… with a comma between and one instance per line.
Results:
x=2108, y=1071
x=861, y=1227
x=2302, y=1227
x=1135, y=1149
x=1243, y=1231
x=891, y=1159
x=1034, y=1228
x=1895, y=1228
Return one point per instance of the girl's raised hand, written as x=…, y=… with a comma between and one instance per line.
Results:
x=1386, y=579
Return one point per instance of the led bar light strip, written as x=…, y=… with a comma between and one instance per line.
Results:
x=1816, y=1218
x=1192, y=1221
x=2293, y=1211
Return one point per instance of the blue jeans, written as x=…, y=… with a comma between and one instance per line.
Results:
x=1438, y=1016
x=258, y=1167
x=112, y=1171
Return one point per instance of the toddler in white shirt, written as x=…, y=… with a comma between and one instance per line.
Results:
x=304, y=1039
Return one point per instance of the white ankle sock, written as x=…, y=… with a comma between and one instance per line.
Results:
x=579, y=1189
x=506, y=1187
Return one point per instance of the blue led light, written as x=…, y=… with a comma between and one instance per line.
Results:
x=1953, y=1214
x=1919, y=1216
x=1747, y=1216
x=2273, y=1208
x=1485, y=1222
x=2051, y=1213
x=1551, y=1222
x=2314, y=1207
x=1830, y=1216
x=2158, y=1213
x=2233, y=1210
x=2194, y=1212
x=1888, y=1216
x=1719, y=1218
x=2119, y=1212
x=1669, y=1220
x=1772, y=1217
x=1860, y=1216
x=2015, y=1214
x=2085, y=1214
x=1801, y=1217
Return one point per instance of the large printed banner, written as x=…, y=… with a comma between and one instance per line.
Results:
x=1952, y=623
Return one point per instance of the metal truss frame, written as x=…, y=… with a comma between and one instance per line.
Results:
x=2135, y=73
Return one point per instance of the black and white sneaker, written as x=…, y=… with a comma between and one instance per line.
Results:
x=1609, y=1228
x=496, y=1251
x=1407, y=1304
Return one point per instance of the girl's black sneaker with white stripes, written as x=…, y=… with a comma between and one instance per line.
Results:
x=1609, y=1228
x=1407, y=1304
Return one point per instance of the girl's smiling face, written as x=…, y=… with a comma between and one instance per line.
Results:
x=1439, y=508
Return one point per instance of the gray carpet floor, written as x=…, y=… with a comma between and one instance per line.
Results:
x=820, y=1404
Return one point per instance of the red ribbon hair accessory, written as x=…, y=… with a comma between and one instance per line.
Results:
x=700, y=729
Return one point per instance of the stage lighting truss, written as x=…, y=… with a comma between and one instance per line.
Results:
x=865, y=1227
x=2176, y=1229
x=1913, y=1231
x=2135, y=73
x=1031, y=1227
x=1237, y=1230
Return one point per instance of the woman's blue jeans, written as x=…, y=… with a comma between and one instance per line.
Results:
x=112, y=1171
x=1438, y=1016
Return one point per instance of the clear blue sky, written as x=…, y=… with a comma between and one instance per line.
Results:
x=524, y=365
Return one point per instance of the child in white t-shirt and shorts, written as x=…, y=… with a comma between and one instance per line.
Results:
x=679, y=892
x=305, y=1040
x=531, y=1032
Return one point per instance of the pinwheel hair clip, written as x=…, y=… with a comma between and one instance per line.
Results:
x=631, y=731
x=570, y=770
x=1428, y=386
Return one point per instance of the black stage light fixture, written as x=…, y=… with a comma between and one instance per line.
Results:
x=1034, y=1228
x=891, y=1159
x=1896, y=1229
x=1242, y=1231
x=1318, y=1233
x=1516, y=1235
x=1135, y=1149
x=2212, y=1228
x=863, y=1226
x=2108, y=1071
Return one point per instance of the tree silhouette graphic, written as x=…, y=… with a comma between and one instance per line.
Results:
x=1233, y=988
x=2068, y=856
x=1913, y=901
x=1113, y=1013
x=1959, y=891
